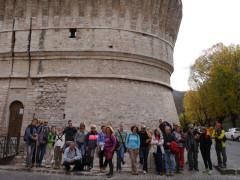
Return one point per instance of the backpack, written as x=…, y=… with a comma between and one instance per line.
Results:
x=117, y=147
x=86, y=159
x=118, y=144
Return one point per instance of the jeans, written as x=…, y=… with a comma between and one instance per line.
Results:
x=207, y=158
x=158, y=161
x=101, y=156
x=91, y=153
x=81, y=147
x=41, y=149
x=77, y=163
x=30, y=149
x=193, y=159
x=120, y=157
x=222, y=151
x=169, y=157
x=144, y=157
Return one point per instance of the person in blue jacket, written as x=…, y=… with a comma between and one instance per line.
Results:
x=133, y=145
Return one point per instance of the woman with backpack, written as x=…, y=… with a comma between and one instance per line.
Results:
x=156, y=149
x=133, y=145
x=110, y=144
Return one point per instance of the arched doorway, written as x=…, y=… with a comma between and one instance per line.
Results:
x=15, y=118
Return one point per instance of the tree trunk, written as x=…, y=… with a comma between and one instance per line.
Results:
x=233, y=118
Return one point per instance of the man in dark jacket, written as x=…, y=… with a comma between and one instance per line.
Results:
x=169, y=156
x=30, y=137
x=163, y=124
x=192, y=149
x=205, y=147
x=145, y=139
x=69, y=133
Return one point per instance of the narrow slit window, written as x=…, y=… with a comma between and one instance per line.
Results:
x=72, y=33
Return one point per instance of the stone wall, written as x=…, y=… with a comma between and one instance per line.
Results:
x=117, y=68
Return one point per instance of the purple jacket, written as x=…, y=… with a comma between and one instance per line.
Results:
x=110, y=142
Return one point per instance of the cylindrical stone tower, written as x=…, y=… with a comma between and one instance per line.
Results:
x=97, y=61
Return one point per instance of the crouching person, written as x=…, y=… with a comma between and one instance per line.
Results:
x=72, y=157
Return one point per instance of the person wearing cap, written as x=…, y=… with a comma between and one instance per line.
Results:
x=192, y=148
x=205, y=148
x=220, y=145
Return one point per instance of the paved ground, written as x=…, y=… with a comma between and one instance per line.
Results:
x=13, y=172
x=6, y=175
x=233, y=147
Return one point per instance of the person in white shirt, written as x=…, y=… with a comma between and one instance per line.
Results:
x=59, y=142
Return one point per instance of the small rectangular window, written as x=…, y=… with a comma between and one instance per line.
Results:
x=72, y=32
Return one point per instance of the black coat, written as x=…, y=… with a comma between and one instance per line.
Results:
x=168, y=139
x=205, y=142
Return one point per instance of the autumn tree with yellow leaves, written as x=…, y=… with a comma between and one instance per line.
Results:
x=215, y=86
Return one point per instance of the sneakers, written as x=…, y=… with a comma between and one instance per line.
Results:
x=196, y=169
x=205, y=171
x=119, y=171
x=47, y=166
x=144, y=172
x=210, y=172
x=171, y=174
x=167, y=174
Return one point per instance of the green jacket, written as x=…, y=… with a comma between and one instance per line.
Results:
x=51, y=140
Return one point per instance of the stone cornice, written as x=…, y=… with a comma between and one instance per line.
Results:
x=93, y=54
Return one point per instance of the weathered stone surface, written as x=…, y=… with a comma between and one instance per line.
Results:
x=116, y=69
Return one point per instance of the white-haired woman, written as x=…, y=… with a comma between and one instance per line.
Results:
x=91, y=144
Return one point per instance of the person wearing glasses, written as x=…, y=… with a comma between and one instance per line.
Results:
x=145, y=140
x=43, y=132
x=79, y=139
x=91, y=144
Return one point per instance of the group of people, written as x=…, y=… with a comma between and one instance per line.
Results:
x=79, y=147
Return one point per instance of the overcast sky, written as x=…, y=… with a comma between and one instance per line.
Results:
x=204, y=23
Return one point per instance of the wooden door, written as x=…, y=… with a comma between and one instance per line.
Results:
x=15, y=119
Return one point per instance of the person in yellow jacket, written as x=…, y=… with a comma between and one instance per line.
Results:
x=220, y=145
